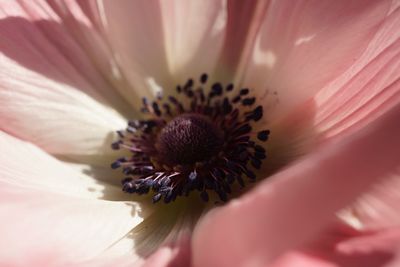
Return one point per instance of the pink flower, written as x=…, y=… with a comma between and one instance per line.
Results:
x=326, y=72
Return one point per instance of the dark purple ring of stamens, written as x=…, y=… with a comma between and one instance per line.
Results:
x=205, y=146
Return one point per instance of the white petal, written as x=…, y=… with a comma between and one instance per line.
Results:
x=60, y=119
x=56, y=210
x=25, y=165
x=193, y=35
x=38, y=224
x=162, y=43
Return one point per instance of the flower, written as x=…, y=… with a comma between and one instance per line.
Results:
x=73, y=72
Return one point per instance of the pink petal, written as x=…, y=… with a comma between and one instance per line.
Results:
x=49, y=211
x=44, y=98
x=177, y=255
x=379, y=208
x=303, y=46
x=368, y=89
x=58, y=40
x=296, y=204
x=338, y=248
x=159, y=43
x=37, y=223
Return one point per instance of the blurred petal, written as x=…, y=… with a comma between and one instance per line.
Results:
x=300, y=201
x=379, y=208
x=177, y=255
x=368, y=89
x=346, y=249
x=304, y=45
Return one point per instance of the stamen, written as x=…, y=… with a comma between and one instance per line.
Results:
x=205, y=146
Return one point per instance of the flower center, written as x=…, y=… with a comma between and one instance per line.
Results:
x=197, y=141
x=188, y=139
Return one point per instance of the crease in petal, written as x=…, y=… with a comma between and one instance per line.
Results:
x=367, y=90
x=136, y=38
x=243, y=24
x=193, y=32
x=317, y=44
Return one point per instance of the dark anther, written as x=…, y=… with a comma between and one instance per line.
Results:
x=217, y=89
x=248, y=101
x=157, y=197
x=116, y=145
x=203, y=78
x=236, y=99
x=188, y=84
x=244, y=91
x=229, y=87
x=263, y=135
x=116, y=165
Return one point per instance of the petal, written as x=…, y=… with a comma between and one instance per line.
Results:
x=55, y=210
x=60, y=119
x=368, y=89
x=177, y=255
x=193, y=35
x=27, y=166
x=37, y=224
x=338, y=248
x=303, y=46
x=58, y=40
x=37, y=100
x=379, y=208
x=296, y=204
x=157, y=43
x=244, y=21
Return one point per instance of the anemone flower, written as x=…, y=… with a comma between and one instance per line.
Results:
x=274, y=123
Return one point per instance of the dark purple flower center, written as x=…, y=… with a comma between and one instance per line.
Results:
x=205, y=145
x=189, y=138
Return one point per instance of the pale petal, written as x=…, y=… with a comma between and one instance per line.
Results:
x=159, y=44
x=58, y=40
x=193, y=35
x=368, y=89
x=304, y=45
x=27, y=166
x=300, y=201
x=37, y=224
x=60, y=119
